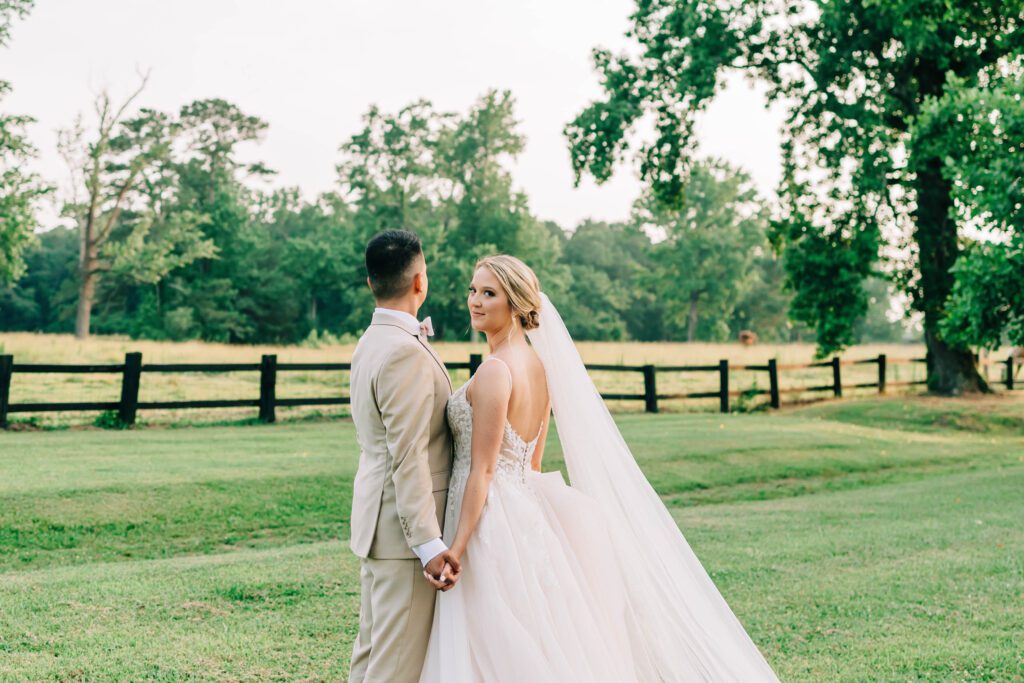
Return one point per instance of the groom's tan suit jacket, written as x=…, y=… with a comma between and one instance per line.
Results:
x=399, y=390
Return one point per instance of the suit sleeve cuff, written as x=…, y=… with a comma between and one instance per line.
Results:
x=429, y=550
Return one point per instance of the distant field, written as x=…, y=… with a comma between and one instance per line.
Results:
x=32, y=348
x=856, y=541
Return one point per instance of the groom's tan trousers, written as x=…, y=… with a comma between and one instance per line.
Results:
x=395, y=614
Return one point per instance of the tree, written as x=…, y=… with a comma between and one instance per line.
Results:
x=231, y=295
x=987, y=303
x=444, y=176
x=320, y=257
x=483, y=213
x=861, y=184
x=981, y=130
x=763, y=305
x=388, y=173
x=389, y=169
x=122, y=183
x=43, y=299
x=702, y=265
x=18, y=189
x=605, y=299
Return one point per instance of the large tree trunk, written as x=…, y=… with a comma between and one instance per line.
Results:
x=951, y=370
x=691, y=322
x=86, y=294
x=88, y=255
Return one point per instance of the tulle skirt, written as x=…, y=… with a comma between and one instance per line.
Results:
x=541, y=595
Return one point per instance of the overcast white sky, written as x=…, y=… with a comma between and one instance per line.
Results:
x=311, y=68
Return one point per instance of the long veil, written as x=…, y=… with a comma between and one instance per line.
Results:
x=680, y=626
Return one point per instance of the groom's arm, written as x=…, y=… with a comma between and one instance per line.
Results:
x=405, y=396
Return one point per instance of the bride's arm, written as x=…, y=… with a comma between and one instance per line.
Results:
x=491, y=390
x=538, y=450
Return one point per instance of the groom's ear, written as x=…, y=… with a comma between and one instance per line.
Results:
x=419, y=282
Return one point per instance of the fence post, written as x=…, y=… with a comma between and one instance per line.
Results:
x=650, y=390
x=1009, y=373
x=130, y=388
x=268, y=388
x=6, y=371
x=881, y=373
x=723, y=386
x=475, y=359
x=773, y=382
x=837, y=382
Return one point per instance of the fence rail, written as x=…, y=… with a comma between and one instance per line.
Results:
x=132, y=370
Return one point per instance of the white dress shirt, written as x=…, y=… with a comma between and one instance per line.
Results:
x=431, y=549
x=409, y=322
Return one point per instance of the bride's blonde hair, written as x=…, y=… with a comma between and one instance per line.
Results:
x=521, y=286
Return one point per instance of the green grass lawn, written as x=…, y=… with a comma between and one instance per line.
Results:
x=856, y=541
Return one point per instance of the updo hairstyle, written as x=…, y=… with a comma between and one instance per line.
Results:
x=521, y=286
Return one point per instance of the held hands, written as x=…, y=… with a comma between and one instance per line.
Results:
x=443, y=571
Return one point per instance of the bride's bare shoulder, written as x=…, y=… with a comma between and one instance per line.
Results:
x=491, y=382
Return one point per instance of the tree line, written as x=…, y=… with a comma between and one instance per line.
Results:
x=902, y=170
x=173, y=239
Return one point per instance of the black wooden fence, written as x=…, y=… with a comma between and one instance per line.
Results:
x=131, y=372
x=772, y=368
x=133, y=369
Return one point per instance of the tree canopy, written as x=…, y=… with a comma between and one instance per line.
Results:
x=981, y=132
x=19, y=189
x=701, y=268
x=866, y=189
x=185, y=241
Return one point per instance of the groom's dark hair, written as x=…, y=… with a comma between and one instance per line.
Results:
x=389, y=256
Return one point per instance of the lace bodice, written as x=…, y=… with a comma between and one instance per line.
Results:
x=514, y=457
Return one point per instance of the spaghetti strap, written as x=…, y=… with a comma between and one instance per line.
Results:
x=504, y=364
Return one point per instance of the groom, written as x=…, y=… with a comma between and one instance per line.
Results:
x=399, y=390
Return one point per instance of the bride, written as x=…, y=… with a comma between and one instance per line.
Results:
x=592, y=582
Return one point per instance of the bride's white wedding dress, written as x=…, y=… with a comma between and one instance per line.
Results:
x=588, y=583
x=536, y=601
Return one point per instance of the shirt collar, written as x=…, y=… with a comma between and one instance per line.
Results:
x=407, y=321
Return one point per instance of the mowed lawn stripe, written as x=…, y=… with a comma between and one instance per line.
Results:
x=168, y=520
x=78, y=497
x=40, y=462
